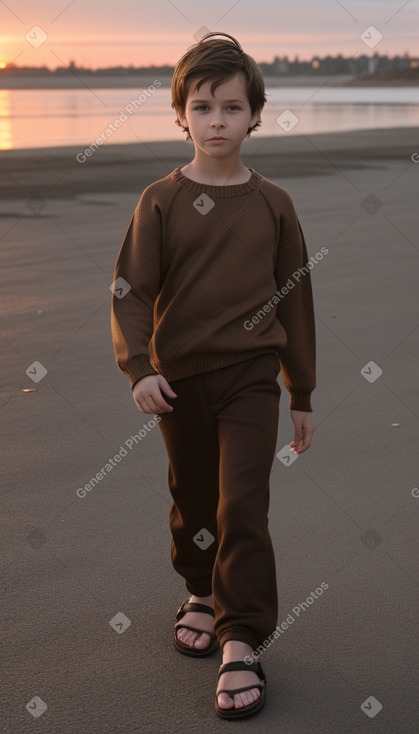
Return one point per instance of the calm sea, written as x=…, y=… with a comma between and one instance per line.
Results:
x=55, y=117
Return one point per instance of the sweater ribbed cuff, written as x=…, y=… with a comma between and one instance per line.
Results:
x=300, y=401
x=137, y=368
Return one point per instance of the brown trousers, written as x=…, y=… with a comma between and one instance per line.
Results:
x=221, y=440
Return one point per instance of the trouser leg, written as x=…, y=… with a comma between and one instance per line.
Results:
x=221, y=440
x=244, y=574
x=191, y=439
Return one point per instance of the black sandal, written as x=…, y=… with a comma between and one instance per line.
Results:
x=252, y=708
x=194, y=652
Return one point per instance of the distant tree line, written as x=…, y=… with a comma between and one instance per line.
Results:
x=280, y=66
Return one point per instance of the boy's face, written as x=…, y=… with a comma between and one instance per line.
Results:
x=227, y=114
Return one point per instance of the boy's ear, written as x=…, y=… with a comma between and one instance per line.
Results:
x=255, y=117
x=181, y=118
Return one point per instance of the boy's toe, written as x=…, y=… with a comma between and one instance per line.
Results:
x=224, y=701
x=193, y=639
x=246, y=698
x=186, y=636
x=202, y=641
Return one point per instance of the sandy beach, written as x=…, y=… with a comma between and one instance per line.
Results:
x=57, y=172
x=89, y=593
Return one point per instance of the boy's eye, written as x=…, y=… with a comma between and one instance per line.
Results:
x=204, y=105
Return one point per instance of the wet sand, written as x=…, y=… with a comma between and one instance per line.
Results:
x=57, y=172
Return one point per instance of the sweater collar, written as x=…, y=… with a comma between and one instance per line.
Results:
x=253, y=183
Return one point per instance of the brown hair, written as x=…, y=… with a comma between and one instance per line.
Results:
x=217, y=60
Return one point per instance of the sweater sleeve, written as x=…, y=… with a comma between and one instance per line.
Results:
x=295, y=312
x=138, y=265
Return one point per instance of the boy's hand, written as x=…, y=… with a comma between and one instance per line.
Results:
x=304, y=429
x=147, y=394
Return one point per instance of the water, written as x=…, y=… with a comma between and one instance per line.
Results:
x=56, y=117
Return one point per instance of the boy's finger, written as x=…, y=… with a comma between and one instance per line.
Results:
x=305, y=444
x=160, y=406
x=167, y=388
x=301, y=443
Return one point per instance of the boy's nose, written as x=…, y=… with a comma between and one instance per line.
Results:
x=217, y=120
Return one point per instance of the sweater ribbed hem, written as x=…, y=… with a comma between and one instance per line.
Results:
x=253, y=183
x=178, y=369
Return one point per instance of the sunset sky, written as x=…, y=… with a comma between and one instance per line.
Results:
x=139, y=32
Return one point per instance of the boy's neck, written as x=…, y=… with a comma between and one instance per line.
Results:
x=216, y=172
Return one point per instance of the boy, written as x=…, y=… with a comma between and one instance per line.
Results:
x=216, y=308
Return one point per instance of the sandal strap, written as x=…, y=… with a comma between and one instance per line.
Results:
x=188, y=606
x=232, y=691
x=241, y=665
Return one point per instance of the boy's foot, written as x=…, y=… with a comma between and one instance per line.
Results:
x=200, y=621
x=235, y=650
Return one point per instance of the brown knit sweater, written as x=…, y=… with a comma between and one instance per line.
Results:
x=208, y=276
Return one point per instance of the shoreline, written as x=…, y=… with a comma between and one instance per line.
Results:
x=125, y=167
x=353, y=139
